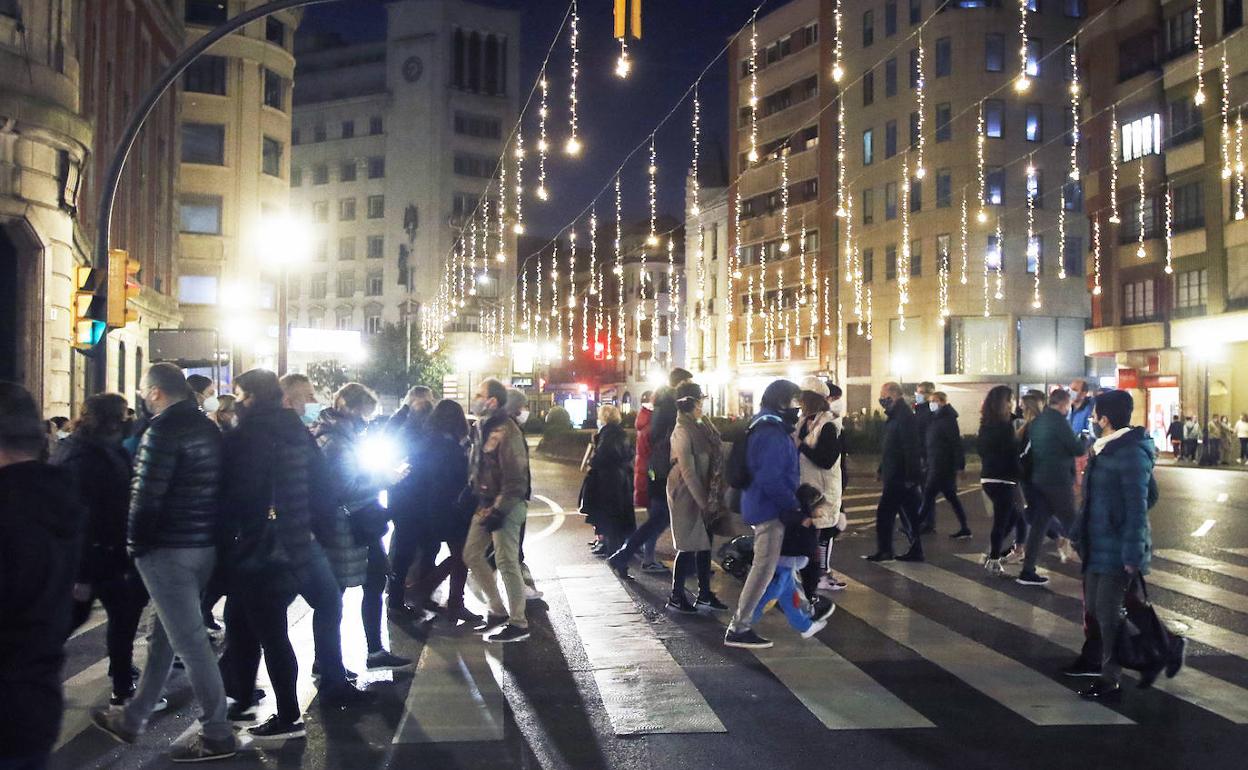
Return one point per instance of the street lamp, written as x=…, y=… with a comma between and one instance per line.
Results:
x=283, y=242
x=1047, y=359
x=899, y=364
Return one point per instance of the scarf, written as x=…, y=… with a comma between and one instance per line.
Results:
x=1100, y=443
x=706, y=440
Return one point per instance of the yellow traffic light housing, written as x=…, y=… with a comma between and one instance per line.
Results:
x=88, y=307
x=123, y=286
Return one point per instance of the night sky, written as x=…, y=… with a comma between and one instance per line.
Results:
x=679, y=38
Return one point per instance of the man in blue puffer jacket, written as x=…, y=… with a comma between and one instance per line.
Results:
x=771, y=455
x=1115, y=542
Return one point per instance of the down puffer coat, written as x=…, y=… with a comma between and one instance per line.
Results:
x=1118, y=488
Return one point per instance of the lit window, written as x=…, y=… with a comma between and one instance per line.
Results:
x=1141, y=137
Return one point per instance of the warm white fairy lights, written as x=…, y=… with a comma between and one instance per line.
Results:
x=920, y=100
x=801, y=255
x=526, y=311
x=1198, y=14
x=1033, y=250
x=501, y=207
x=1141, y=206
x=752, y=156
x=623, y=65
x=965, y=240
x=838, y=69
x=1241, y=190
x=556, y=308
x=1022, y=83
x=518, y=228
x=870, y=312
x=543, y=146
x=1113, y=166
x=472, y=281
x=595, y=275
x=903, y=254
x=1096, y=256
x=1169, y=232
x=573, y=145
x=541, y=324
x=841, y=207
x=619, y=267
x=749, y=319
x=673, y=284
x=652, y=175
x=1000, y=268
x=1226, y=117
x=784, y=200
x=695, y=208
x=981, y=175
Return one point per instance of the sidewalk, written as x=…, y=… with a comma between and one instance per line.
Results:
x=1168, y=460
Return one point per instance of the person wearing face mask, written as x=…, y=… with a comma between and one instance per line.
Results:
x=819, y=445
x=502, y=488
x=774, y=476
x=923, y=415
x=409, y=540
x=355, y=487
x=945, y=460
x=1048, y=483
x=1002, y=469
x=299, y=395
x=901, y=475
x=517, y=407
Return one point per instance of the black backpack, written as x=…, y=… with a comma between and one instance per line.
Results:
x=737, y=469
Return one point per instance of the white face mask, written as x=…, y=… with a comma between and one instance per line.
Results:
x=211, y=403
x=523, y=417
x=934, y=406
x=837, y=407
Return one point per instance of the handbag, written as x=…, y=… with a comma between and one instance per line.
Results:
x=261, y=554
x=1144, y=643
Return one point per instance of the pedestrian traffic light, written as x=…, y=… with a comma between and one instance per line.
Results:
x=88, y=307
x=123, y=285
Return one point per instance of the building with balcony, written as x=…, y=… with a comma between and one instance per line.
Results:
x=1170, y=322
x=707, y=307
x=395, y=143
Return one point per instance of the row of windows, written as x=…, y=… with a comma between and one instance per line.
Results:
x=478, y=126
x=344, y=286
x=1072, y=256
x=784, y=98
x=479, y=62
x=783, y=48
x=770, y=202
x=754, y=253
x=1144, y=51
x=477, y=166
x=209, y=75
x=204, y=143
x=1139, y=298
x=211, y=13
x=375, y=206
x=346, y=130
x=344, y=318
x=994, y=193
x=375, y=167
x=806, y=139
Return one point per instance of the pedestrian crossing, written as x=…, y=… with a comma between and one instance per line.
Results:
x=638, y=668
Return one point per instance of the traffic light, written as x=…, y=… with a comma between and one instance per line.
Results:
x=123, y=285
x=88, y=307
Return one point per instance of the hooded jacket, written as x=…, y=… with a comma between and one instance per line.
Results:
x=40, y=518
x=1118, y=489
x=819, y=440
x=771, y=456
x=100, y=471
x=943, y=444
x=173, y=498
x=900, y=454
x=641, y=463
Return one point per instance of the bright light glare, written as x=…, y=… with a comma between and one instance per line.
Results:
x=1046, y=358
x=284, y=240
x=378, y=454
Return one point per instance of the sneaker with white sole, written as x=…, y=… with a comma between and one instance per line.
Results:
x=200, y=749
x=531, y=594
x=830, y=583
x=1031, y=579
x=994, y=567
x=384, y=660
x=509, y=633
x=1015, y=556
x=822, y=609
x=277, y=729
x=747, y=639
x=816, y=627
x=653, y=566
x=112, y=722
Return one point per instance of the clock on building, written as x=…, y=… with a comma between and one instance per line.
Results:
x=413, y=68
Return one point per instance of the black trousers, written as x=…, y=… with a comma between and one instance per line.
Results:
x=374, y=586
x=686, y=564
x=898, y=498
x=124, y=598
x=1004, y=513
x=944, y=485
x=410, y=543
x=255, y=619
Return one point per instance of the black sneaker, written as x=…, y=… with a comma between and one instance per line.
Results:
x=200, y=749
x=1082, y=667
x=1031, y=579
x=1177, y=658
x=680, y=603
x=961, y=534
x=344, y=695
x=509, y=633
x=1102, y=690
x=241, y=713
x=491, y=622
x=914, y=554
x=384, y=660
x=710, y=601
x=278, y=729
x=880, y=556
x=462, y=614
x=350, y=675
x=746, y=639
x=821, y=608
x=1149, y=676
x=619, y=565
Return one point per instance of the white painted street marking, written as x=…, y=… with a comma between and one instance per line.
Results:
x=1027, y=693
x=1189, y=559
x=557, y=518
x=1236, y=551
x=454, y=696
x=1203, y=529
x=1197, y=590
x=1196, y=687
x=644, y=689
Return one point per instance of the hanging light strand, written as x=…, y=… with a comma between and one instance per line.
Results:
x=1096, y=256
x=1169, y=232
x=620, y=328
x=573, y=145
x=543, y=146
x=501, y=208
x=696, y=210
x=752, y=156
x=652, y=175
x=903, y=254
x=1000, y=269
x=519, y=188
x=965, y=224
x=556, y=308
x=838, y=69
x=572, y=301
x=1033, y=250
x=1139, y=214
x=842, y=205
x=920, y=99
x=1022, y=83
x=1198, y=33
x=1114, y=218
x=980, y=173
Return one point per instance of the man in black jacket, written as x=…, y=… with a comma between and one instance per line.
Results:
x=945, y=460
x=172, y=532
x=901, y=475
x=39, y=524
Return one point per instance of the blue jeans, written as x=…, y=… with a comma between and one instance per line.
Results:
x=175, y=579
x=660, y=516
x=791, y=598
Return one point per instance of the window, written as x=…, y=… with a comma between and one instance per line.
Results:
x=1191, y=289
x=275, y=31
x=346, y=283
x=890, y=201
x=317, y=287
x=197, y=289
x=320, y=174
x=347, y=171
x=868, y=28
x=868, y=88
x=1137, y=55
x=1186, y=121
x=890, y=139
x=1074, y=9
x=376, y=206
x=478, y=126
x=1129, y=230
x=346, y=248
x=868, y=147
x=346, y=210
x=916, y=258
x=978, y=345
x=916, y=196
x=944, y=188
x=206, y=12
x=203, y=143
x=343, y=315
x=944, y=242
x=1139, y=301
x=200, y=214
x=271, y=156
x=914, y=68
x=868, y=206
x=914, y=130
x=994, y=186
x=994, y=118
x=1072, y=255
x=1181, y=33
x=1033, y=56
x=1035, y=253
x=944, y=57
x=373, y=284
x=320, y=211
x=890, y=263
x=376, y=246
x=1033, y=6
x=1072, y=196
x=348, y=129
x=890, y=77
x=1034, y=123
x=1187, y=203
x=890, y=18
x=372, y=321
x=944, y=122
x=993, y=257
x=274, y=90
x=868, y=265
x=994, y=52
x=1232, y=15
x=474, y=165
x=1035, y=188
x=376, y=168
x=205, y=75
x=1141, y=137
x=1068, y=69
x=375, y=125
x=321, y=250
x=916, y=11
x=296, y=177
x=318, y=132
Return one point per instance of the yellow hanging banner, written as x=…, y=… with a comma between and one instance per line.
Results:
x=626, y=22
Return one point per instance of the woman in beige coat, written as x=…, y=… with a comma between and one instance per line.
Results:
x=695, y=494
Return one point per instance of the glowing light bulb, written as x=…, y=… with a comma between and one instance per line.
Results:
x=982, y=216
x=518, y=229
x=838, y=72
x=1199, y=98
x=543, y=145
x=542, y=193
x=1096, y=291
x=1022, y=84
x=573, y=147
x=753, y=157
x=784, y=247
x=652, y=240
x=1115, y=220
x=695, y=209
x=1140, y=252
x=840, y=212
x=920, y=172
x=623, y=66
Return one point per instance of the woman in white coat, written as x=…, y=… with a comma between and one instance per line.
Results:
x=819, y=445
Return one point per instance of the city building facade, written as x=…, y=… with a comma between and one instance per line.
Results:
x=1170, y=319
x=708, y=340
x=396, y=145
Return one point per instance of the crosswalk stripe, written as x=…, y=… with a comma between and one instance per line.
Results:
x=1196, y=687
x=82, y=693
x=1236, y=551
x=1190, y=559
x=1197, y=630
x=644, y=689
x=454, y=696
x=838, y=693
x=1198, y=590
x=1018, y=688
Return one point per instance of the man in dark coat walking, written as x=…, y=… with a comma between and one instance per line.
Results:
x=901, y=474
x=945, y=460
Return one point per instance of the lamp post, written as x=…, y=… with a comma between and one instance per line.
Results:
x=1205, y=352
x=283, y=242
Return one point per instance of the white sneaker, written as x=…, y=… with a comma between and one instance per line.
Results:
x=1065, y=551
x=815, y=628
x=994, y=567
x=829, y=583
x=531, y=594
x=1015, y=556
